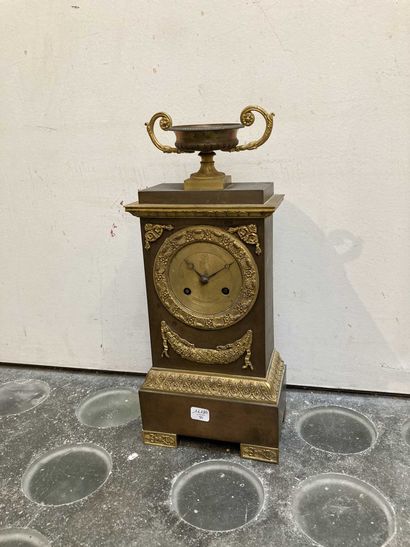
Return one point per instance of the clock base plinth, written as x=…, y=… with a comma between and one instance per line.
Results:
x=238, y=409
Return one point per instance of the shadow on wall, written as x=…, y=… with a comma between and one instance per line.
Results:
x=323, y=330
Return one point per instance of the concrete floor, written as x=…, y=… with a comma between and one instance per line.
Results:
x=338, y=499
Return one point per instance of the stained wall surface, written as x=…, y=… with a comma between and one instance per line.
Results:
x=78, y=81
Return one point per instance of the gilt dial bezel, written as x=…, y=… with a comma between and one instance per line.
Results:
x=243, y=257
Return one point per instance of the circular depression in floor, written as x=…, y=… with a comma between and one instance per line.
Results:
x=22, y=537
x=336, y=429
x=406, y=432
x=109, y=408
x=22, y=395
x=217, y=495
x=338, y=510
x=66, y=474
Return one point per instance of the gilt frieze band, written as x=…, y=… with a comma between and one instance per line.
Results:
x=259, y=390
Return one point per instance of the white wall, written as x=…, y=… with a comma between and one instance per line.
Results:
x=78, y=80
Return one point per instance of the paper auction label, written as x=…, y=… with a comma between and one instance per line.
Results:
x=201, y=414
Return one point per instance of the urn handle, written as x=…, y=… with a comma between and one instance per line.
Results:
x=247, y=119
x=165, y=123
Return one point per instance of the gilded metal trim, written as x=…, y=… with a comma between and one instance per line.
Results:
x=260, y=453
x=249, y=234
x=248, y=118
x=220, y=386
x=159, y=439
x=163, y=210
x=154, y=232
x=221, y=355
x=243, y=257
x=164, y=123
x=207, y=178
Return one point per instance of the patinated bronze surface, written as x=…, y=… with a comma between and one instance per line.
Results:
x=206, y=137
x=235, y=194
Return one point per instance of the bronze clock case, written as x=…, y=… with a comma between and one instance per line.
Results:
x=210, y=350
x=205, y=277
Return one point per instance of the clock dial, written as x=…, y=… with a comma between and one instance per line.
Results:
x=206, y=277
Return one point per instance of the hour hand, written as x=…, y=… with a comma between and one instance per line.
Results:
x=191, y=266
x=202, y=278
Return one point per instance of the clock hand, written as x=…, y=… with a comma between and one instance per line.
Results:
x=224, y=267
x=203, y=278
x=192, y=267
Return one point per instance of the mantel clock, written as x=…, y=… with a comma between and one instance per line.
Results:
x=208, y=268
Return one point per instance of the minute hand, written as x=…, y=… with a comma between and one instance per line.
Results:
x=224, y=267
